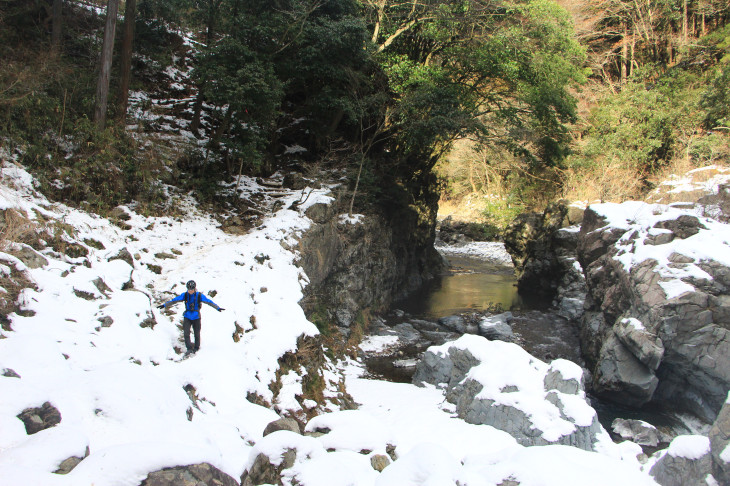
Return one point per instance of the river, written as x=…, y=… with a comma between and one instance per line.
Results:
x=480, y=278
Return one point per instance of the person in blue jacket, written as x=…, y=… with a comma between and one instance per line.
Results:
x=191, y=316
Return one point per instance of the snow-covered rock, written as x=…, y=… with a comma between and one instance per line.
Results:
x=720, y=443
x=536, y=403
x=497, y=327
x=686, y=461
x=192, y=475
x=638, y=431
x=657, y=324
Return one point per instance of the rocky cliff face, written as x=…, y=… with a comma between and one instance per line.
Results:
x=367, y=262
x=658, y=317
x=649, y=289
x=543, y=250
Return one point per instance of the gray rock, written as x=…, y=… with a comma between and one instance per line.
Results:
x=284, y=423
x=407, y=334
x=369, y=265
x=70, y=463
x=194, y=475
x=572, y=308
x=264, y=472
x=515, y=421
x=10, y=373
x=497, y=328
x=123, y=255
x=659, y=239
x=30, y=257
x=683, y=227
x=450, y=369
x=636, y=431
x=454, y=323
x=620, y=375
x=685, y=343
x=40, y=418
x=422, y=325
x=645, y=345
x=719, y=442
x=675, y=470
x=319, y=213
x=554, y=380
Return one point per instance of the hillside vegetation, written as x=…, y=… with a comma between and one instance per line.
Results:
x=655, y=103
x=197, y=92
x=518, y=102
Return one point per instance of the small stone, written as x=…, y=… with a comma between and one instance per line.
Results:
x=9, y=373
x=380, y=462
x=284, y=423
x=41, y=418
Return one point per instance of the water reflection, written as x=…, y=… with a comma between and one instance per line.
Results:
x=470, y=285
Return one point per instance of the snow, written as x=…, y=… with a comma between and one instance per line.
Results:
x=527, y=374
x=689, y=446
x=638, y=219
x=633, y=322
x=354, y=219
x=725, y=454
x=568, y=369
x=124, y=394
x=692, y=181
x=490, y=251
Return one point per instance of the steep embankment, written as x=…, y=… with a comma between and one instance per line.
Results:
x=87, y=340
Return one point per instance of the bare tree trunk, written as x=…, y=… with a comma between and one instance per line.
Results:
x=684, y=23
x=209, y=35
x=357, y=185
x=125, y=75
x=197, y=109
x=222, y=128
x=56, y=27
x=107, y=50
x=624, y=54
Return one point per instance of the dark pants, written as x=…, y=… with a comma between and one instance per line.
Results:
x=196, y=333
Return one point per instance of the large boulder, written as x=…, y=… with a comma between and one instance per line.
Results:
x=529, y=241
x=536, y=403
x=284, y=423
x=621, y=376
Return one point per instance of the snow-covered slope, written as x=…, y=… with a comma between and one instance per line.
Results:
x=126, y=399
x=119, y=388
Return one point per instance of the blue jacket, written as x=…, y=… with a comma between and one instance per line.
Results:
x=192, y=304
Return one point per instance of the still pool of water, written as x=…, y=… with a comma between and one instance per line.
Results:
x=470, y=285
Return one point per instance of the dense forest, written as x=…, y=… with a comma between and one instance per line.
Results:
x=511, y=102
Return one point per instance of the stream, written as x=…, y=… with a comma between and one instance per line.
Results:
x=481, y=280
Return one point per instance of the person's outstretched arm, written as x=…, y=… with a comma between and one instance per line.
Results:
x=205, y=299
x=178, y=298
